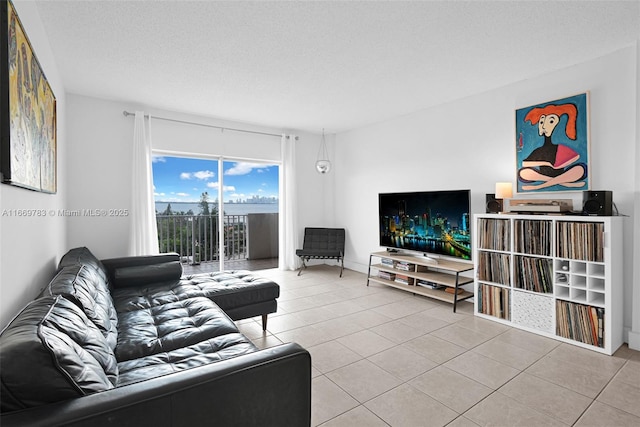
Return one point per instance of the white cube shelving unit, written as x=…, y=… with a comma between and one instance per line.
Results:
x=556, y=275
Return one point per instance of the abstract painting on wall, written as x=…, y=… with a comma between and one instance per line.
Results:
x=552, y=145
x=28, y=128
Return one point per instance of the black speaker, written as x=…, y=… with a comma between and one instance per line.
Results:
x=493, y=205
x=597, y=203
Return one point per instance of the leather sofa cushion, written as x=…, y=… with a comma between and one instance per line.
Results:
x=88, y=287
x=51, y=343
x=222, y=287
x=319, y=253
x=170, y=326
x=83, y=256
x=209, y=351
x=142, y=270
x=141, y=275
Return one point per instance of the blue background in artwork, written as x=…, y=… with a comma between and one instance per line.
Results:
x=532, y=140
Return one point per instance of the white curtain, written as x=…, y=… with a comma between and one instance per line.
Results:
x=143, y=239
x=288, y=223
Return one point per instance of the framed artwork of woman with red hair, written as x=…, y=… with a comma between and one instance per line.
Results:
x=552, y=146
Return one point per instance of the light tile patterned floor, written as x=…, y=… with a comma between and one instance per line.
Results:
x=386, y=357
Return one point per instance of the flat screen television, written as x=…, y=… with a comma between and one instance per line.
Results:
x=427, y=223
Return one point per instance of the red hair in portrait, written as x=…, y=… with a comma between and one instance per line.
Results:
x=570, y=110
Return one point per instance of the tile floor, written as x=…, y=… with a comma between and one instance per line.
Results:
x=386, y=357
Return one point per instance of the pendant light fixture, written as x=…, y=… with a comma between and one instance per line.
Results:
x=323, y=165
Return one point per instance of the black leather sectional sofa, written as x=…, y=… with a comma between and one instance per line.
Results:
x=128, y=341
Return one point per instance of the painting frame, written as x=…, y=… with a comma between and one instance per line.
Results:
x=28, y=111
x=553, y=146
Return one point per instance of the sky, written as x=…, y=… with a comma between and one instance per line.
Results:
x=181, y=179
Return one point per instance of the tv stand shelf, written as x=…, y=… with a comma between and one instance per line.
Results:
x=444, y=273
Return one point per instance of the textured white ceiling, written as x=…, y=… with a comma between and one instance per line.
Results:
x=311, y=65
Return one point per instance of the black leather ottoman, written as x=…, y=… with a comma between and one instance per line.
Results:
x=240, y=293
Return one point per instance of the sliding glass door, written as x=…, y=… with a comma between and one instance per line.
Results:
x=206, y=210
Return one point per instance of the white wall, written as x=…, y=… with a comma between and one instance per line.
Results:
x=315, y=191
x=634, y=334
x=99, y=174
x=470, y=144
x=30, y=247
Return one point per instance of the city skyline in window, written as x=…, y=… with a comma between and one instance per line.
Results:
x=183, y=180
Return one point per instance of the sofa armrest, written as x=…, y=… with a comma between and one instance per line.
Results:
x=270, y=387
x=142, y=270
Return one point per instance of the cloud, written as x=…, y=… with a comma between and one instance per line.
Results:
x=158, y=159
x=217, y=185
x=244, y=168
x=182, y=194
x=202, y=175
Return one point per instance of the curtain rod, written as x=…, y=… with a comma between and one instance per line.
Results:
x=126, y=114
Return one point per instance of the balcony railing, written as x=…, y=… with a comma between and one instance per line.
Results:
x=196, y=238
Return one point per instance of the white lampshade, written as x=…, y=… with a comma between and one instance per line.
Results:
x=504, y=190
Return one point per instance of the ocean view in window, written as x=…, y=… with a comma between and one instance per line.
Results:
x=184, y=183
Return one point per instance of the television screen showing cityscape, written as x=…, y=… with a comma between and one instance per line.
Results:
x=431, y=222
